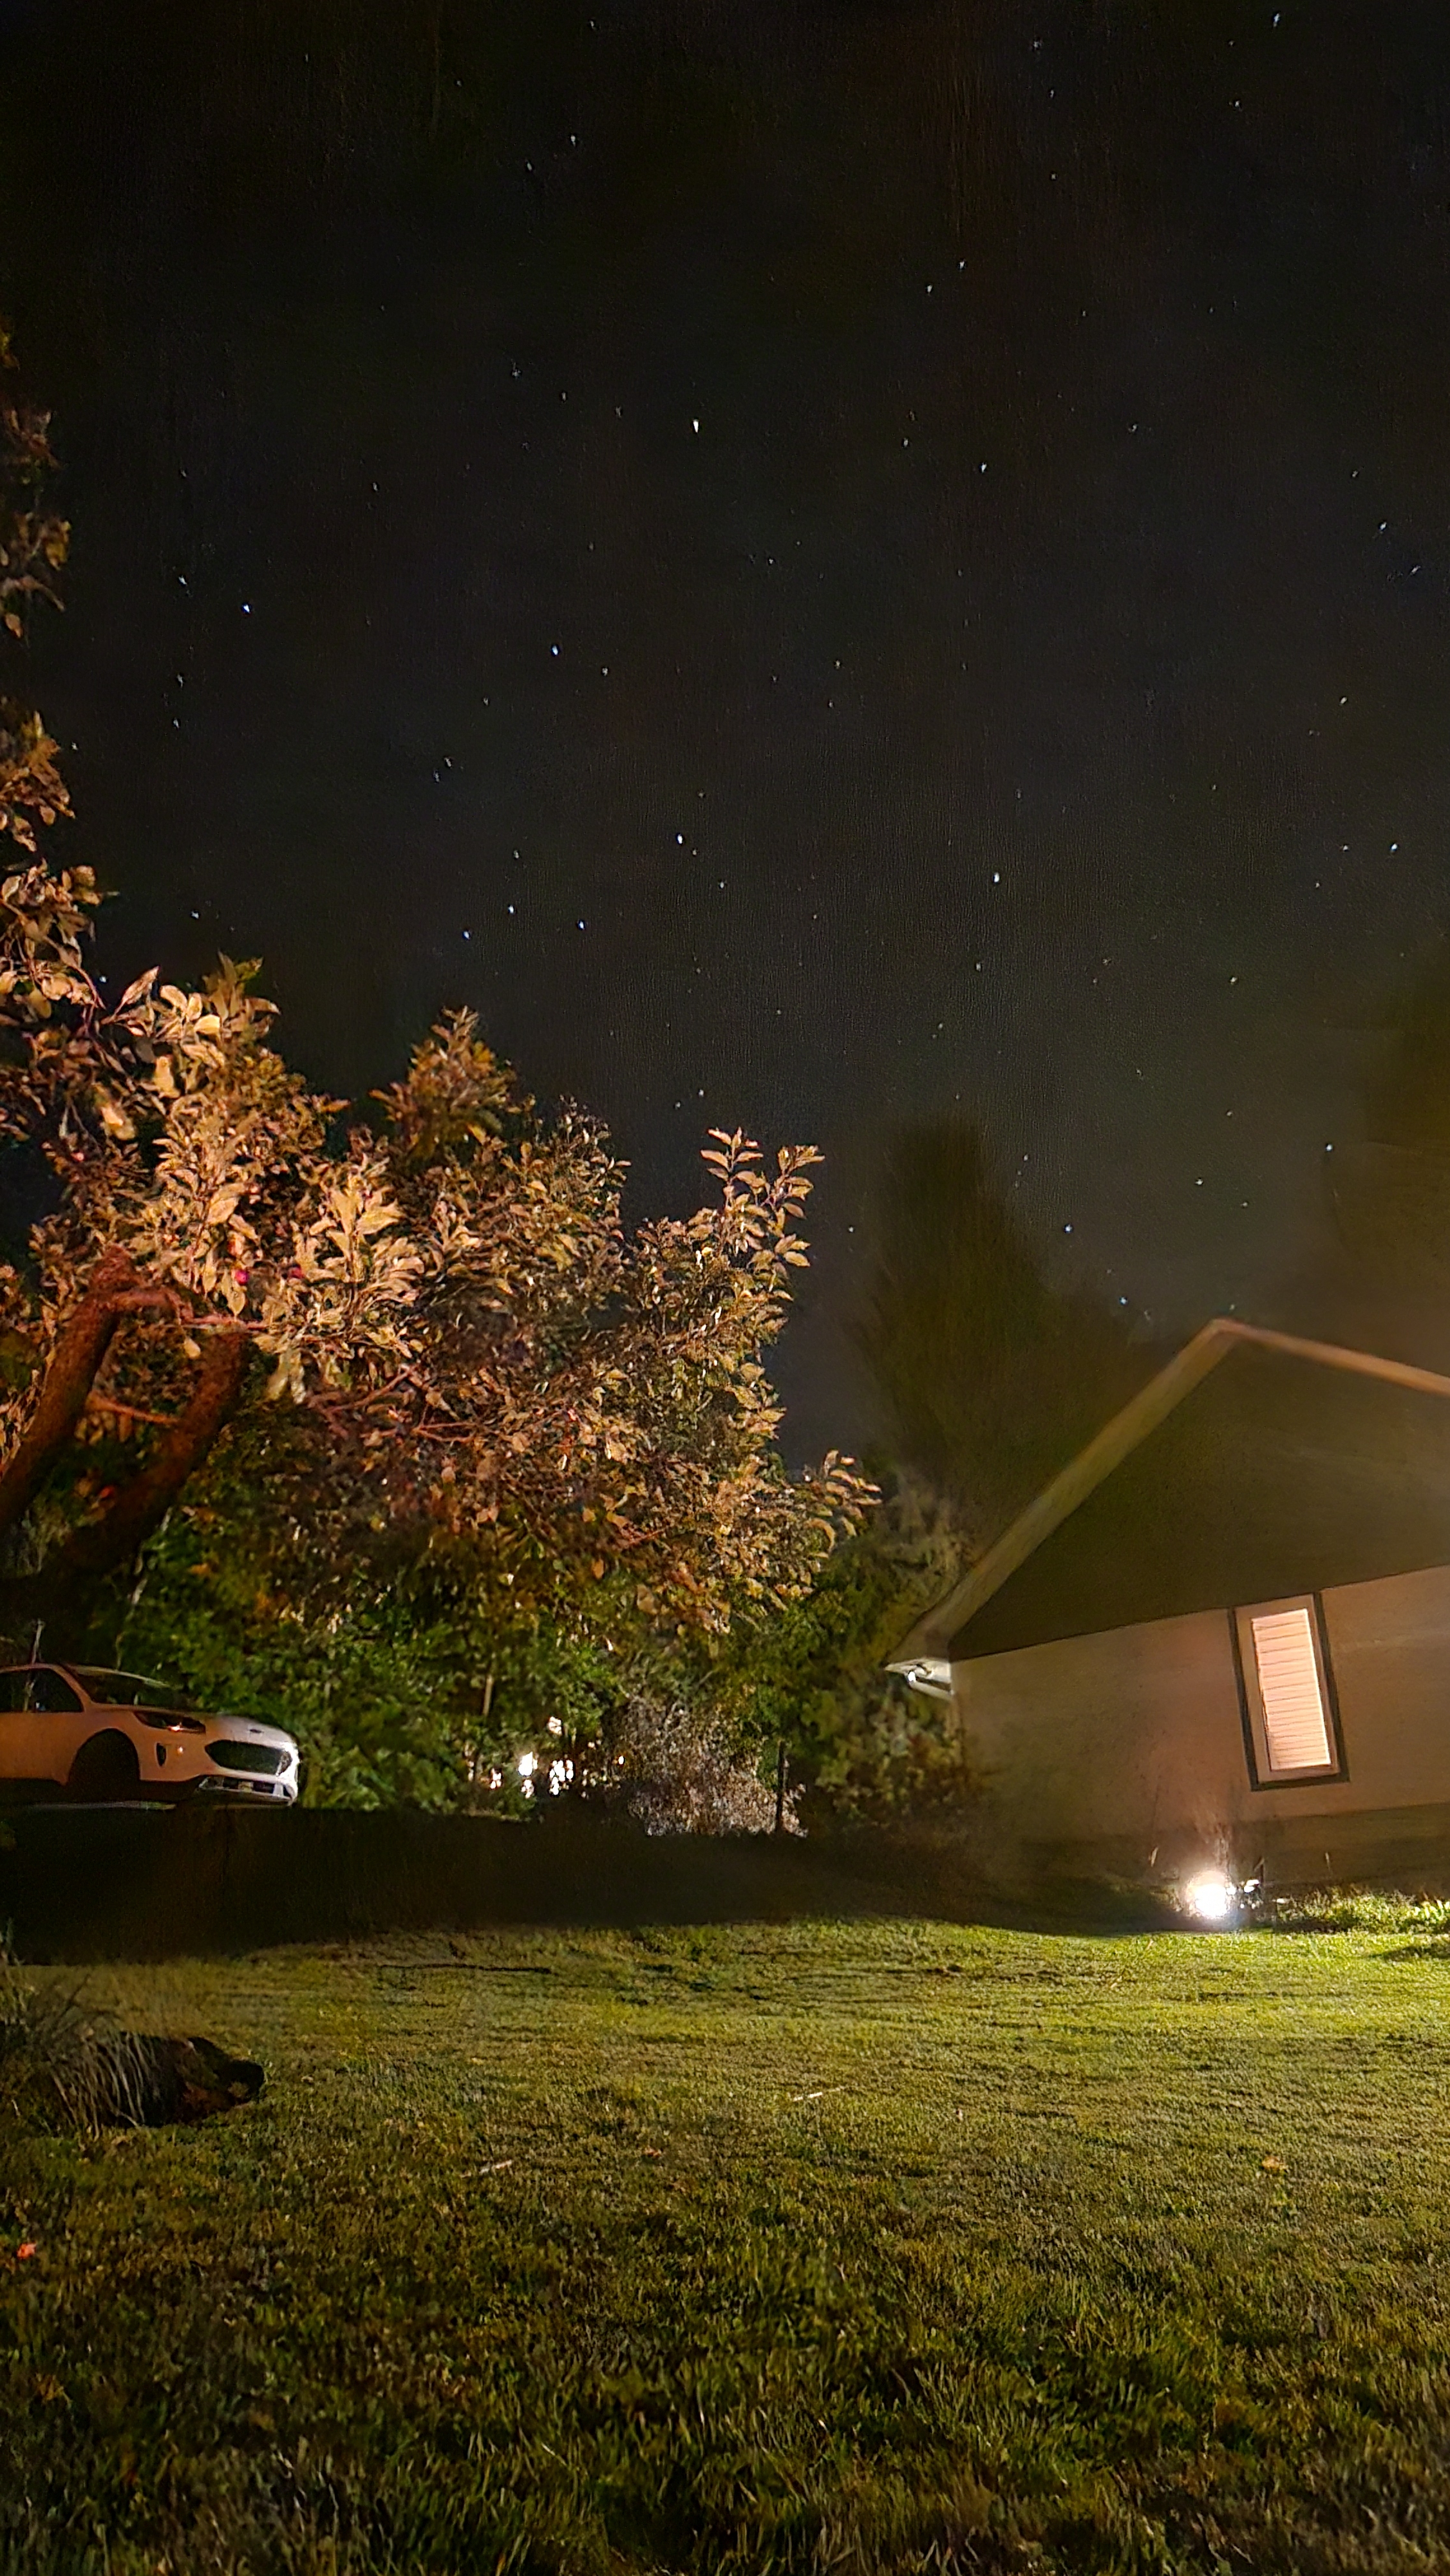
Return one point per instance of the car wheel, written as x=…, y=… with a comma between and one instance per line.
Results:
x=105, y=1769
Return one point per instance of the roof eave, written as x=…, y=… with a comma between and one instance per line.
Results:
x=931, y=1638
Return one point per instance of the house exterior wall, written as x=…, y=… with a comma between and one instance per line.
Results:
x=1126, y=1750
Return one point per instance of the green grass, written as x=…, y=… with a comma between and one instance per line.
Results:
x=836, y=2247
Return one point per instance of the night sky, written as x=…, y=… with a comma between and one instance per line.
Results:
x=821, y=565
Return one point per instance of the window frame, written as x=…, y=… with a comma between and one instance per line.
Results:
x=1262, y=1774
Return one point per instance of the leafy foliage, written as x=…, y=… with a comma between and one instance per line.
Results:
x=412, y=1682
x=860, y=1747
x=416, y=1683
x=681, y=1769
x=34, y=543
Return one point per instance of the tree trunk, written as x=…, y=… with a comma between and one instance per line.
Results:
x=68, y=1381
x=99, y=1546
x=57, y=1594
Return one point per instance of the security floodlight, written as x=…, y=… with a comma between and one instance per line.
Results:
x=1211, y=1896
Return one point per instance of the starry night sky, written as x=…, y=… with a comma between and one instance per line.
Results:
x=820, y=564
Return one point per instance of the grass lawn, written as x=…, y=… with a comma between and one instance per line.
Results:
x=835, y=2247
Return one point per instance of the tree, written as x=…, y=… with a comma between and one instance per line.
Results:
x=469, y=1366
x=1390, y=1187
x=811, y=1685
x=34, y=543
x=989, y=1377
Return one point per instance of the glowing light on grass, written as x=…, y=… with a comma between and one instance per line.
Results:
x=1211, y=1896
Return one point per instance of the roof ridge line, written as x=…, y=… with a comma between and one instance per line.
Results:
x=1142, y=1414
x=1336, y=1355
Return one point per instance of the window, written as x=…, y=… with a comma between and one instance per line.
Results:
x=127, y=1690
x=51, y=1695
x=12, y=1691
x=1291, y=1723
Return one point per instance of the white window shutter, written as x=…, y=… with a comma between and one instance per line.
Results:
x=1296, y=1722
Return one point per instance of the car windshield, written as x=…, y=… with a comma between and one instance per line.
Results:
x=127, y=1690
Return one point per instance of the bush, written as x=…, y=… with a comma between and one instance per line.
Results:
x=63, y=2064
x=682, y=1772
x=1350, y=1909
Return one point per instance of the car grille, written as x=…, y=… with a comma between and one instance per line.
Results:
x=246, y=1757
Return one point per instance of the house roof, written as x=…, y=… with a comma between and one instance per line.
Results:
x=1254, y=1465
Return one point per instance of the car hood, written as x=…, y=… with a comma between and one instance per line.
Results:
x=248, y=1730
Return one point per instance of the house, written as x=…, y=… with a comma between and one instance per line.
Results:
x=1220, y=1639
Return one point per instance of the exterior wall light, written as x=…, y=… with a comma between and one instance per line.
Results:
x=932, y=1677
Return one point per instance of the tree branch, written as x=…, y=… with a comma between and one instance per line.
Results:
x=68, y=1379
x=128, y=1412
x=101, y=1545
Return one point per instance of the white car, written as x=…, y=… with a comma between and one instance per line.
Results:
x=100, y=1736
